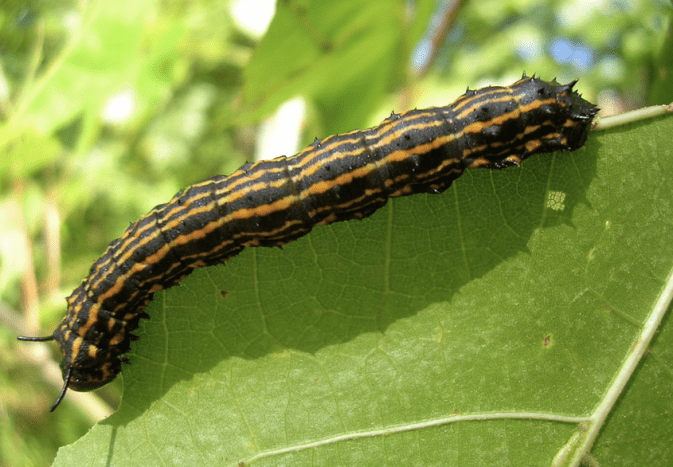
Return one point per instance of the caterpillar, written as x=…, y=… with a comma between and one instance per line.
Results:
x=271, y=203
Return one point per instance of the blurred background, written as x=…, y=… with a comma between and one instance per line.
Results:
x=109, y=108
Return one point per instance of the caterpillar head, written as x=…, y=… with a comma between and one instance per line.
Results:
x=80, y=378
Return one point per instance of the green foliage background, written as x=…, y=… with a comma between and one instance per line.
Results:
x=486, y=299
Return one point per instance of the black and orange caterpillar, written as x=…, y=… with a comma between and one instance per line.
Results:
x=271, y=203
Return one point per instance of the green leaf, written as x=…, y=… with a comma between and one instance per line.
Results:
x=347, y=51
x=103, y=56
x=487, y=325
x=28, y=152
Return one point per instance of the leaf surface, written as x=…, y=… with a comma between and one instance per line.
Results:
x=482, y=326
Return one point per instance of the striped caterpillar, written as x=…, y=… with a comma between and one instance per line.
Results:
x=271, y=203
